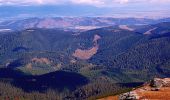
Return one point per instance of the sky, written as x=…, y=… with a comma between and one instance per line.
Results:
x=85, y=8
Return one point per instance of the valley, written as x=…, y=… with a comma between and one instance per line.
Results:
x=84, y=50
x=43, y=61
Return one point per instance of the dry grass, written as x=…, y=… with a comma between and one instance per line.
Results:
x=146, y=93
x=110, y=98
x=163, y=94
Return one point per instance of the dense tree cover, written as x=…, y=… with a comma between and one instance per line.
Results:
x=124, y=56
x=9, y=92
x=147, y=59
x=93, y=90
x=143, y=60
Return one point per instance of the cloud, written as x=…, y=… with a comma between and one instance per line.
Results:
x=98, y=3
x=133, y=8
x=124, y=1
x=29, y=2
x=89, y=2
x=52, y=2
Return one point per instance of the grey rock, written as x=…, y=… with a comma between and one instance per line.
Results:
x=129, y=96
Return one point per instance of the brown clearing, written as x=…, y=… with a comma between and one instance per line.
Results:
x=150, y=31
x=125, y=27
x=29, y=66
x=87, y=54
x=41, y=60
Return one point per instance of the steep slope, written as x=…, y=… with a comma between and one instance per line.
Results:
x=114, y=53
x=146, y=57
x=156, y=89
x=19, y=49
x=136, y=54
x=58, y=80
x=87, y=54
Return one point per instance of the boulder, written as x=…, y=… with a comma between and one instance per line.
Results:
x=129, y=96
x=166, y=82
x=157, y=83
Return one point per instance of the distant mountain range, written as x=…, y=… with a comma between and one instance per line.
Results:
x=79, y=23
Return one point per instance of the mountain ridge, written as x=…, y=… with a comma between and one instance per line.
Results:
x=74, y=23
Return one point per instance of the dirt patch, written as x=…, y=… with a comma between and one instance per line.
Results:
x=87, y=54
x=58, y=66
x=29, y=66
x=162, y=94
x=110, y=98
x=96, y=38
x=41, y=60
x=148, y=92
x=125, y=27
x=150, y=31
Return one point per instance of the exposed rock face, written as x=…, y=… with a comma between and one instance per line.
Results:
x=158, y=83
x=129, y=96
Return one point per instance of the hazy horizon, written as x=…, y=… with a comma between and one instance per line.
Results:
x=84, y=8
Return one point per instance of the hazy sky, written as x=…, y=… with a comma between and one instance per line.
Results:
x=112, y=8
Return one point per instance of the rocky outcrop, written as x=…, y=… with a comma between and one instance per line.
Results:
x=155, y=89
x=129, y=96
x=157, y=83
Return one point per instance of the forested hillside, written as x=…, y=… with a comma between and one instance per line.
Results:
x=116, y=55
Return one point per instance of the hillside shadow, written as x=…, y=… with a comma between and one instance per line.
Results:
x=58, y=80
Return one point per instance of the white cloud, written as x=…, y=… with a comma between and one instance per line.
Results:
x=28, y=2
x=89, y=2
x=97, y=3
x=124, y=1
